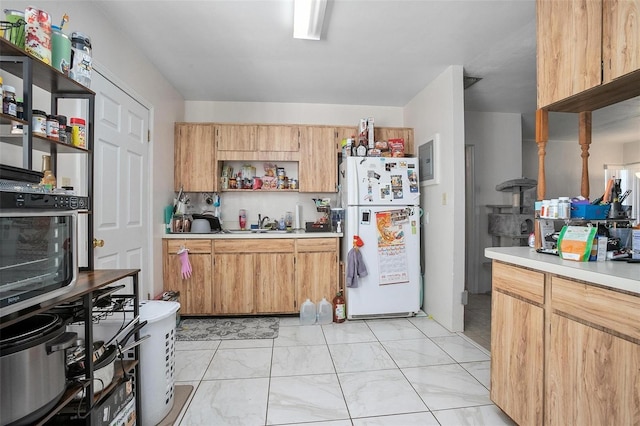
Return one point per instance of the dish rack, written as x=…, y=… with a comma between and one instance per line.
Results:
x=13, y=31
x=323, y=205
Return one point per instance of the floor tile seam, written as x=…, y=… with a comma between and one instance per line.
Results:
x=187, y=404
x=344, y=398
x=477, y=380
x=393, y=414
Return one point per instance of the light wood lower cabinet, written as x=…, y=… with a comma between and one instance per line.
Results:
x=252, y=276
x=317, y=269
x=517, y=331
x=196, y=295
x=571, y=359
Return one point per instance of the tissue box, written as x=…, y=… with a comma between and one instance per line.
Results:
x=590, y=211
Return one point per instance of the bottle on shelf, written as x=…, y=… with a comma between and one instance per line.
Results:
x=48, y=178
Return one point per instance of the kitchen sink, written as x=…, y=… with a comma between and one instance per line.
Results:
x=254, y=231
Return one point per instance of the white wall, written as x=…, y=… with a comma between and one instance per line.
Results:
x=117, y=55
x=563, y=166
x=290, y=113
x=496, y=138
x=439, y=108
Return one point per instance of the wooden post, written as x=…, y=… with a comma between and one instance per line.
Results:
x=584, y=138
x=542, y=136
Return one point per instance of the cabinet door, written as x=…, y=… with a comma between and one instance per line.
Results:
x=517, y=362
x=233, y=283
x=236, y=137
x=344, y=133
x=278, y=138
x=195, y=292
x=194, y=163
x=316, y=269
x=386, y=133
x=318, y=166
x=569, y=48
x=593, y=376
x=620, y=38
x=274, y=283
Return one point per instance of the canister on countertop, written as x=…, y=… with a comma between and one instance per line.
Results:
x=78, y=132
x=39, y=122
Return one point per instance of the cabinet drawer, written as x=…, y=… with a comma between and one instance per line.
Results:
x=194, y=246
x=610, y=309
x=317, y=244
x=519, y=281
x=254, y=246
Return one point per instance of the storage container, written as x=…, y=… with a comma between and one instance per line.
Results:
x=590, y=211
x=81, y=62
x=308, y=313
x=157, y=353
x=38, y=30
x=60, y=50
x=78, y=132
x=325, y=312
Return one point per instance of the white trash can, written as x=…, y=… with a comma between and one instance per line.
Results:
x=157, y=353
x=157, y=359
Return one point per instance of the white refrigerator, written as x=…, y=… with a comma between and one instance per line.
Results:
x=381, y=198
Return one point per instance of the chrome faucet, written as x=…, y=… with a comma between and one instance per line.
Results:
x=261, y=221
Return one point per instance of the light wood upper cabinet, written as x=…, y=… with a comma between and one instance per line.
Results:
x=569, y=45
x=194, y=161
x=621, y=38
x=276, y=138
x=196, y=294
x=386, y=133
x=318, y=164
x=236, y=137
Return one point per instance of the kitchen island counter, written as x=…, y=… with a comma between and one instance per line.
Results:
x=617, y=275
x=561, y=331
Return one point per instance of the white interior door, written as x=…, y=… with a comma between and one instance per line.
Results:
x=121, y=182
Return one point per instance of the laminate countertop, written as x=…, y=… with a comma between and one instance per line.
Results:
x=617, y=275
x=250, y=235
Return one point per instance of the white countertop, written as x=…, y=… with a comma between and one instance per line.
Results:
x=247, y=235
x=614, y=274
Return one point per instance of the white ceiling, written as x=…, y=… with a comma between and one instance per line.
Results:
x=373, y=52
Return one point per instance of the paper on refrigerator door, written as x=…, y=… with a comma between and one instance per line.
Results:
x=393, y=264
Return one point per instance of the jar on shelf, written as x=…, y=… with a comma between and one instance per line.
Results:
x=52, y=127
x=78, y=135
x=39, y=122
x=9, y=103
x=553, y=208
x=564, y=208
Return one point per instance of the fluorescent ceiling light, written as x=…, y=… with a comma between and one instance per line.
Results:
x=308, y=16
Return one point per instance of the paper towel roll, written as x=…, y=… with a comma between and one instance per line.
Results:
x=298, y=220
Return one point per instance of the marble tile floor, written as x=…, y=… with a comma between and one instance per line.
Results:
x=408, y=371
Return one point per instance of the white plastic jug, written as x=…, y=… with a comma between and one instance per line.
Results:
x=308, y=313
x=325, y=312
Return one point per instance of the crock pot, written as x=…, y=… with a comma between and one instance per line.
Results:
x=32, y=367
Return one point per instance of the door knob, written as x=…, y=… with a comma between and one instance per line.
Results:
x=98, y=243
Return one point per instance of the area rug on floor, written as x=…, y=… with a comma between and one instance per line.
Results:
x=228, y=328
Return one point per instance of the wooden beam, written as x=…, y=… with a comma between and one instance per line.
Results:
x=542, y=137
x=584, y=139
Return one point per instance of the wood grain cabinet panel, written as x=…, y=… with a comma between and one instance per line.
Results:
x=386, y=133
x=316, y=269
x=593, y=377
x=519, y=281
x=621, y=38
x=517, y=358
x=569, y=48
x=196, y=295
x=233, y=283
x=276, y=138
x=194, y=161
x=318, y=165
x=236, y=137
x=275, y=283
